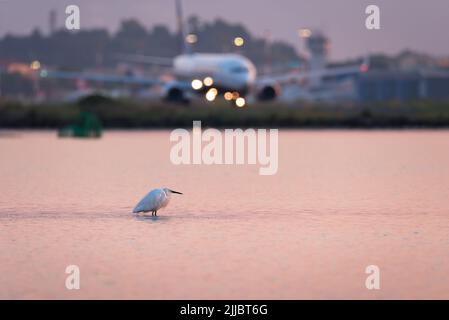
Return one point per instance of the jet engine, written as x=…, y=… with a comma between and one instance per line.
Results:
x=268, y=91
x=176, y=92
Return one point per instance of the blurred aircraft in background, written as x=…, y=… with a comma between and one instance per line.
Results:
x=232, y=76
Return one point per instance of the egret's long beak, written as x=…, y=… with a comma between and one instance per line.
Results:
x=173, y=191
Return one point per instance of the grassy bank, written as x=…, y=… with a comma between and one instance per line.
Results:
x=129, y=114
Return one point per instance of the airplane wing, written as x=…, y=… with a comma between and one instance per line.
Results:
x=98, y=77
x=143, y=59
x=328, y=72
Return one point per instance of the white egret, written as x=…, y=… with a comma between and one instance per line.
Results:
x=154, y=200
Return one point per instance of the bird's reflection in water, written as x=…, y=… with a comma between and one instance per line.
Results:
x=148, y=218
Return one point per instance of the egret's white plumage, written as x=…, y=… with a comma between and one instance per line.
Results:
x=154, y=200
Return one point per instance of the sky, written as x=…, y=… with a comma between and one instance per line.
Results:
x=405, y=24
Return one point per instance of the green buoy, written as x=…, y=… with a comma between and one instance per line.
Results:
x=88, y=126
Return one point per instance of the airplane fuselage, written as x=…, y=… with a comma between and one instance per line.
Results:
x=229, y=72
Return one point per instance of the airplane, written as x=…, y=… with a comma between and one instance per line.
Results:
x=230, y=75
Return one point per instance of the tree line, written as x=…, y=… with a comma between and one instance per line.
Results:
x=99, y=47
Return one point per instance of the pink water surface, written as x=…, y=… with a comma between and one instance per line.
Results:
x=341, y=200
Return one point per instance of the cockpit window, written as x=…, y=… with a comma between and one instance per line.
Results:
x=239, y=70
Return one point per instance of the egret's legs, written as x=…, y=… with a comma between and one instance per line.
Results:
x=155, y=213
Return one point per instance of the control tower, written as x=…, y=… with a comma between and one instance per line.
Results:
x=318, y=46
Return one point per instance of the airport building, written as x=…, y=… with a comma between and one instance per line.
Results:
x=377, y=86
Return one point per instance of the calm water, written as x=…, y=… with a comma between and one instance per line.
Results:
x=342, y=200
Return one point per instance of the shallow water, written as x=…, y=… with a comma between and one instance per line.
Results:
x=342, y=200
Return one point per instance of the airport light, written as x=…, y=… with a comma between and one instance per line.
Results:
x=228, y=96
x=44, y=73
x=240, y=102
x=238, y=41
x=211, y=94
x=191, y=38
x=208, y=81
x=305, y=33
x=364, y=68
x=35, y=65
x=197, y=84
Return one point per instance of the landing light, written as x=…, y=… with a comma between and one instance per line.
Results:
x=197, y=84
x=240, y=102
x=208, y=81
x=228, y=96
x=211, y=94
